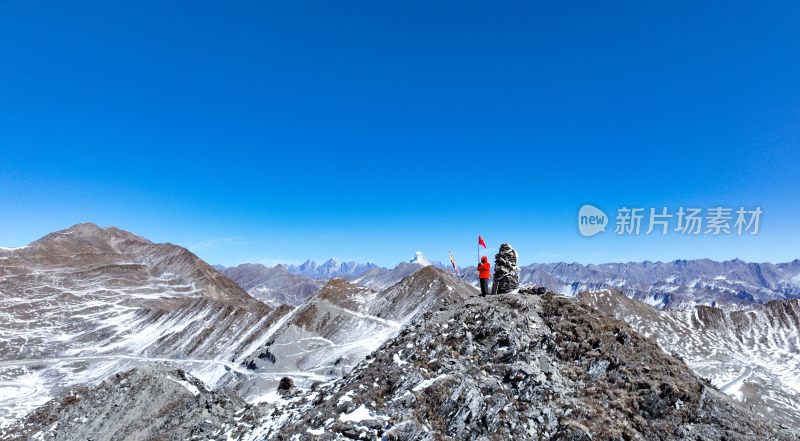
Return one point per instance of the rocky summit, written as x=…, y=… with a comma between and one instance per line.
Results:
x=524, y=367
x=502, y=367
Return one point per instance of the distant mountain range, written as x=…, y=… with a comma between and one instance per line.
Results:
x=275, y=285
x=330, y=269
x=679, y=284
x=294, y=284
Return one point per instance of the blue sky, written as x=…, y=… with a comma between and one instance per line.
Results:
x=280, y=131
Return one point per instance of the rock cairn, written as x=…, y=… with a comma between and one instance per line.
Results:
x=506, y=272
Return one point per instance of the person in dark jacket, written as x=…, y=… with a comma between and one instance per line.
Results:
x=483, y=274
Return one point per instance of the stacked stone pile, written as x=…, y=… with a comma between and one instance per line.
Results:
x=506, y=271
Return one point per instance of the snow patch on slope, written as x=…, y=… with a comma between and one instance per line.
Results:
x=420, y=259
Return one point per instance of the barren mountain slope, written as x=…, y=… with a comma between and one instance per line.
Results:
x=752, y=355
x=83, y=303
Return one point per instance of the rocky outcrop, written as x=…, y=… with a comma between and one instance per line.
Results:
x=506, y=272
x=533, y=290
x=152, y=402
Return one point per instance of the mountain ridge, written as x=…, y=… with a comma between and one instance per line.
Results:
x=343, y=322
x=504, y=367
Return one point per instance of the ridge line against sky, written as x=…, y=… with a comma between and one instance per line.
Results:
x=258, y=131
x=197, y=248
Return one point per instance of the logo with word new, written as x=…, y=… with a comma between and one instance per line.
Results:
x=591, y=220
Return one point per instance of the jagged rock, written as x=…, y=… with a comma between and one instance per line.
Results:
x=506, y=272
x=266, y=355
x=533, y=290
x=544, y=364
x=573, y=431
x=407, y=430
x=151, y=402
x=598, y=368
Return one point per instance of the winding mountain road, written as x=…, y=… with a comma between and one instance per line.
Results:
x=737, y=382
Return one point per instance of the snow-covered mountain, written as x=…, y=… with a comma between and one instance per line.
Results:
x=81, y=304
x=330, y=269
x=751, y=355
x=420, y=259
x=381, y=278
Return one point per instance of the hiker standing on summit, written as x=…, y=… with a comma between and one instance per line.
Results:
x=483, y=273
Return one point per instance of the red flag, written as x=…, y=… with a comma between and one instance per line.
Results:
x=481, y=242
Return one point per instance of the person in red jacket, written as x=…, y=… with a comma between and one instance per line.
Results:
x=483, y=273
